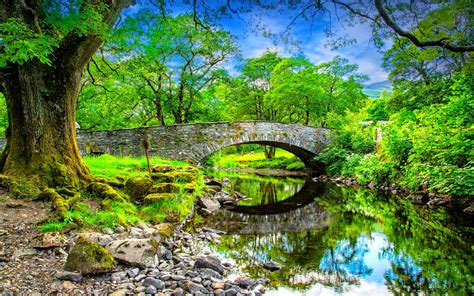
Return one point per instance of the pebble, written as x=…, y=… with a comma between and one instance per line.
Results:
x=139, y=277
x=153, y=282
x=176, y=277
x=178, y=292
x=133, y=272
x=151, y=290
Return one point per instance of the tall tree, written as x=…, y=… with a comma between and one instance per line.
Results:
x=45, y=46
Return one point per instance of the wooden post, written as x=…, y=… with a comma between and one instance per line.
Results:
x=146, y=146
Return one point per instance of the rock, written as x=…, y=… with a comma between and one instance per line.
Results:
x=162, y=168
x=218, y=285
x=48, y=240
x=69, y=276
x=209, y=262
x=98, y=238
x=118, y=276
x=272, y=266
x=237, y=195
x=178, y=292
x=213, y=182
x=68, y=285
x=139, y=277
x=153, y=282
x=208, y=204
x=138, y=187
x=135, y=252
x=88, y=257
x=120, y=229
x=167, y=255
x=108, y=231
x=230, y=292
x=245, y=282
x=191, y=287
x=151, y=290
x=207, y=273
x=142, y=225
x=133, y=272
x=120, y=292
x=177, y=277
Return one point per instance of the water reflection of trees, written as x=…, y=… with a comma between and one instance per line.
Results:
x=427, y=253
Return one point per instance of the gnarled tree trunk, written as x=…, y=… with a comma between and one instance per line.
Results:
x=41, y=102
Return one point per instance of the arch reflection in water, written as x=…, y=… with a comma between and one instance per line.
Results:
x=360, y=243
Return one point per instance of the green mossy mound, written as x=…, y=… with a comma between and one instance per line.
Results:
x=165, y=229
x=104, y=191
x=165, y=188
x=151, y=198
x=190, y=187
x=87, y=257
x=138, y=187
x=162, y=168
x=175, y=177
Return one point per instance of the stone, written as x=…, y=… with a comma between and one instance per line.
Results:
x=178, y=292
x=151, y=290
x=142, y=225
x=98, y=238
x=48, y=240
x=272, y=266
x=22, y=252
x=218, y=285
x=209, y=204
x=191, y=287
x=138, y=187
x=135, y=252
x=165, y=188
x=69, y=276
x=118, y=276
x=120, y=292
x=139, y=277
x=177, y=277
x=133, y=272
x=230, y=292
x=68, y=285
x=120, y=229
x=207, y=273
x=209, y=262
x=245, y=282
x=153, y=282
x=88, y=257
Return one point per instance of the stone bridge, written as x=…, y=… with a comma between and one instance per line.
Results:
x=193, y=142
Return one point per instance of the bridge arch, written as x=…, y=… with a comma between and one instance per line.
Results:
x=196, y=141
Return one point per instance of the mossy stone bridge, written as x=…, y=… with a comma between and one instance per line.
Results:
x=193, y=142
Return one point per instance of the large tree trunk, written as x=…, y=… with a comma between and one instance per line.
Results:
x=41, y=102
x=41, y=136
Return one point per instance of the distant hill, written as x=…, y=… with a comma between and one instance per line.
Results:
x=374, y=90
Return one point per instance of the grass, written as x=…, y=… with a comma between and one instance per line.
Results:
x=87, y=216
x=282, y=160
x=109, y=167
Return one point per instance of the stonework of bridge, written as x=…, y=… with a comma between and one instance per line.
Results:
x=193, y=142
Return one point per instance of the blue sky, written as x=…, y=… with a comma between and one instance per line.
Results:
x=311, y=39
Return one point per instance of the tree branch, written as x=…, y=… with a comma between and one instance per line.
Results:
x=443, y=43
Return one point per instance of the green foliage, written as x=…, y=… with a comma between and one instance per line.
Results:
x=20, y=44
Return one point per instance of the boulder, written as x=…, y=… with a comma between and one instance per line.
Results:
x=136, y=252
x=87, y=257
x=138, y=187
x=209, y=204
x=209, y=262
x=48, y=240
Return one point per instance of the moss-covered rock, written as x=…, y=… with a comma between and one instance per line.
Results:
x=87, y=257
x=190, y=187
x=138, y=187
x=165, y=229
x=162, y=177
x=154, y=197
x=165, y=188
x=162, y=168
x=104, y=191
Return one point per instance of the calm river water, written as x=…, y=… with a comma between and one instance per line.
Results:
x=337, y=240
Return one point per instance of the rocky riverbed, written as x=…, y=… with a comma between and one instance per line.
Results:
x=149, y=259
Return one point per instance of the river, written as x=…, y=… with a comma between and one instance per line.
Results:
x=335, y=240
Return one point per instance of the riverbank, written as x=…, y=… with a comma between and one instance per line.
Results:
x=32, y=262
x=465, y=205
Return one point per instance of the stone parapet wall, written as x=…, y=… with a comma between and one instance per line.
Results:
x=196, y=141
